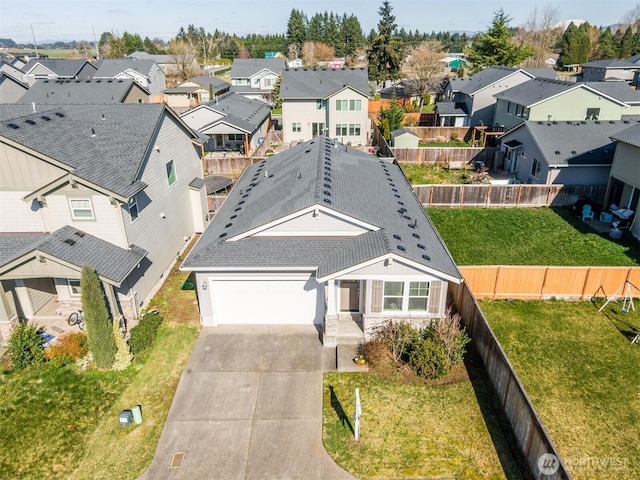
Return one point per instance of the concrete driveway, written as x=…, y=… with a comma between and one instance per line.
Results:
x=248, y=406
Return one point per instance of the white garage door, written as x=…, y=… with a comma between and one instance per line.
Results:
x=273, y=302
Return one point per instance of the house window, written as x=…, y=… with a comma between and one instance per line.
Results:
x=296, y=127
x=321, y=104
x=593, y=114
x=392, y=296
x=81, y=209
x=536, y=168
x=342, y=105
x=268, y=82
x=509, y=108
x=355, y=105
x=341, y=129
x=133, y=209
x=418, y=296
x=74, y=287
x=236, y=137
x=354, y=129
x=171, y=172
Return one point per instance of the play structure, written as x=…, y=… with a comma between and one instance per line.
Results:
x=627, y=291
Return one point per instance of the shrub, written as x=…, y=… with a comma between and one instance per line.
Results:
x=101, y=340
x=397, y=336
x=25, y=346
x=143, y=334
x=428, y=358
x=123, y=355
x=69, y=348
x=451, y=335
x=375, y=351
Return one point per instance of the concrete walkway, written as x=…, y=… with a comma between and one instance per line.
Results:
x=248, y=406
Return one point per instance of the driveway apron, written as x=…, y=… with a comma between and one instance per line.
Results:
x=248, y=406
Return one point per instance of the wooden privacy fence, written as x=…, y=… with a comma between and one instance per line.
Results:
x=214, y=202
x=506, y=195
x=532, y=437
x=534, y=283
x=227, y=165
x=452, y=157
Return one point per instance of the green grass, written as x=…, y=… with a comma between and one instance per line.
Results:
x=420, y=174
x=583, y=375
x=411, y=431
x=528, y=236
x=428, y=108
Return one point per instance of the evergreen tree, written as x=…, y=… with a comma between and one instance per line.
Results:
x=635, y=44
x=149, y=46
x=351, y=35
x=385, y=50
x=625, y=47
x=574, y=46
x=606, y=46
x=332, y=32
x=296, y=29
x=496, y=47
x=102, y=343
x=132, y=42
x=391, y=118
x=315, y=31
x=276, y=92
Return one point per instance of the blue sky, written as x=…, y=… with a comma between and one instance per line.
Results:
x=77, y=20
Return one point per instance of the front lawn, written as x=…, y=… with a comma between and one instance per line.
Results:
x=528, y=236
x=417, y=429
x=582, y=374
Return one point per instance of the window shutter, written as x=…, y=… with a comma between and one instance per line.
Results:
x=435, y=296
x=376, y=296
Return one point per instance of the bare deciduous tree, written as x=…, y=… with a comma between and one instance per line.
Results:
x=541, y=32
x=423, y=67
x=184, y=55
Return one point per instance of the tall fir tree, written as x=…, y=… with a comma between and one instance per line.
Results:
x=351, y=35
x=574, y=46
x=296, y=29
x=606, y=46
x=102, y=344
x=496, y=46
x=625, y=47
x=385, y=50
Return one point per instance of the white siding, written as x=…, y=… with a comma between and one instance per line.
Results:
x=310, y=225
x=385, y=271
x=17, y=215
x=349, y=117
x=303, y=112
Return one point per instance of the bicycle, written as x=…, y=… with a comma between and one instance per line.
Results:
x=76, y=318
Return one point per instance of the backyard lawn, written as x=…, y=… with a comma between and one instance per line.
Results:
x=417, y=430
x=528, y=236
x=582, y=373
x=420, y=174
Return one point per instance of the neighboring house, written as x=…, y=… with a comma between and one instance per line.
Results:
x=167, y=63
x=321, y=234
x=256, y=77
x=146, y=73
x=58, y=69
x=11, y=89
x=405, y=91
x=623, y=188
x=325, y=102
x=477, y=93
x=116, y=187
x=231, y=122
x=193, y=92
x=404, y=138
x=62, y=92
x=542, y=99
x=567, y=153
x=453, y=63
x=14, y=71
x=609, y=70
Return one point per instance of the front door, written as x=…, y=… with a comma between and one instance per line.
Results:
x=349, y=295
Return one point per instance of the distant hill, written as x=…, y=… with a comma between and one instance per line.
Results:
x=7, y=43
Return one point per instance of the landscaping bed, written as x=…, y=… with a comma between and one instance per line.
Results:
x=582, y=374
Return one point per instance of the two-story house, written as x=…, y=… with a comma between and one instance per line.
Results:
x=321, y=234
x=608, y=70
x=146, y=73
x=471, y=102
x=326, y=102
x=117, y=187
x=194, y=92
x=256, y=77
x=232, y=122
x=62, y=92
x=542, y=99
x=60, y=69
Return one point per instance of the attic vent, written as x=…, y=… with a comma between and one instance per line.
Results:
x=30, y=122
x=79, y=233
x=597, y=122
x=400, y=203
x=402, y=210
x=626, y=121
x=411, y=225
x=401, y=248
x=426, y=257
x=573, y=152
x=245, y=195
x=327, y=185
x=327, y=192
x=60, y=114
x=421, y=246
x=228, y=225
x=407, y=217
x=392, y=184
x=555, y=123
x=327, y=179
x=69, y=241
x=308, y=150
x=540, y=123
x=415, y=235
x=327, y=200
x=223, y=234
x=14, y=126
x=46, y=118
x=240, y=202
x=387, y=174
x=396, y=236
x=394, y=190
x=396, y=195
x=238, y=209
x=557, y=152
x=233, y=216
x=612, y=122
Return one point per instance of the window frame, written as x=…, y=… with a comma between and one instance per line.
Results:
x=74, y=209
x=536, y=168
x=133, y=204
x=354, y=129
x=386, y=296
x=73, y=288
x=355, y=105
x=171, y=173
x=342, y=105
x=296, y=127
x=406, y=296
x=342, y=129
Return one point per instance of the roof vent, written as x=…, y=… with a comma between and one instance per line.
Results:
x=396, y=195
x=60, y=114
x=223, y=234
x=554, y=122
x=392, y=184
x=308, y=150
x=557, y=152
x=233, y=216
x=415, y=235
x=407, y=217
x=238, y=209
x=93, y=132
x=401, y=248
x=411, y=225
x=421, y=246
x=79, y=233
x=14, y=126
x=426, y=257
x=46, y=118
x=400, y=203
x=402, y=210
x=69, y=241
x=573, y=152
x=30, y=122
x=327, y=200
x=228, y=225
x=612, y=122
x=396, y=236
x=327, y=192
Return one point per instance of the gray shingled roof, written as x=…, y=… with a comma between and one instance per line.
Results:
x=484, y=78
x=452, y=108
x=402, y=131
x=343, y=180
x=630, y=135
x=239, y=111
x=77, y=248
x=111, y=67
x=542, y=72
x=159, y=59
x=58, y=92
x=609, y=63
x=7, y=77
x=321, y=82
x=576, y=143
x=110, y=159
x=619, y=90
x=206, y=80
x=62, y=67
x=247, y=67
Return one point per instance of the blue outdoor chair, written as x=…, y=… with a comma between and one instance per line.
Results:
x=587, y=213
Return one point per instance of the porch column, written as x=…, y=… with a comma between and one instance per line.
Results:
x=111, y=300
x=330, y=334
x=8, y=316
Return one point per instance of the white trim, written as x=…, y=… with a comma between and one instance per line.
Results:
x=71, y=293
